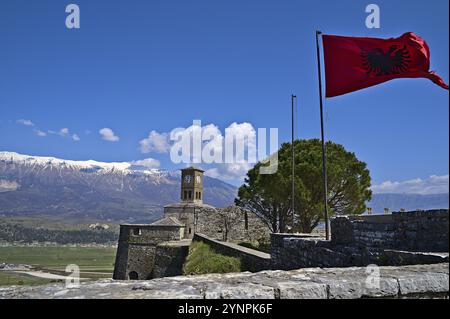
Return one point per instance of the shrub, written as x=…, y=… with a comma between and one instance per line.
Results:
x=202, y=259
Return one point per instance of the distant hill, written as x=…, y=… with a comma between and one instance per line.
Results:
x=410, y=202
x=32, y=185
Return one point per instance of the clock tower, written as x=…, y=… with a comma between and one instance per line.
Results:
x=192, y=185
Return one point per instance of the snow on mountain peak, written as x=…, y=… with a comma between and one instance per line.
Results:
x=125, y=167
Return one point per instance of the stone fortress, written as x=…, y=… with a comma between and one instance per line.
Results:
x=159, y=249
x=147, y=251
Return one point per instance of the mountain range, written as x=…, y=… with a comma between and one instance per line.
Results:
x=32, y=185
x=409, y=202
x=125, y=192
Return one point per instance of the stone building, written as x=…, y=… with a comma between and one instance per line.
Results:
x=159, y=249
x=187, y=212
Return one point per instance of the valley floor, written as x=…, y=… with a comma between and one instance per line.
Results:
x=48, y=264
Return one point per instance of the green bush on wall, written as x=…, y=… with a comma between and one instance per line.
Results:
x=202, y=259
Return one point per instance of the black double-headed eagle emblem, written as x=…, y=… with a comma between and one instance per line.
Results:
x=377, y=62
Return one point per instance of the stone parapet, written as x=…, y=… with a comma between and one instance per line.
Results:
x=418, y=281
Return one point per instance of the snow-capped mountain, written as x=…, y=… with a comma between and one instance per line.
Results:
x=90, y=165
x=31, y=185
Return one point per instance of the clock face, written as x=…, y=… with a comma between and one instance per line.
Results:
x=198, y=179
x=188, y=179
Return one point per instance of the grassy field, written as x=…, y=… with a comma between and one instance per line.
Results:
x=9, y=278
x=94, y=262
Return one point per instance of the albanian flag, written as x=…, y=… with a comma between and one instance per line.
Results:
x=353, y=64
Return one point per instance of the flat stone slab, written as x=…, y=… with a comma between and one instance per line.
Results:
x=424, y=281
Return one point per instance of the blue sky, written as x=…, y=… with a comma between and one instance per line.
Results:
x=141, y=66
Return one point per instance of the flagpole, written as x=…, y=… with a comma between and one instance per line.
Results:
x=324, y=158
x=293, y=98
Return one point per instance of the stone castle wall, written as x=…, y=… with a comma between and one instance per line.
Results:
x=136, y=250
x=397, y=239
x=186, y=215
x=241, y=227
x=412, y=231
x=170, y=258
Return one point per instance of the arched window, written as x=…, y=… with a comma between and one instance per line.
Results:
x=190, y=194
x=133, y=275
x=199, y=195
x=185, y=195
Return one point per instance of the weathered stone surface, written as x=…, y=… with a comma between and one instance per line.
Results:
x=137, y=248
x=412, y=231
x=303, y=290
x=308, y=283
x=232, y=224
x=410, y=238
x=170, y=257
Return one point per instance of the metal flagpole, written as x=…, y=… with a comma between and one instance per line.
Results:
x=324, y=158
x=293, y=98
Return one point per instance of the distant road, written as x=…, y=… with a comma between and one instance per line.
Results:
x=44, y=275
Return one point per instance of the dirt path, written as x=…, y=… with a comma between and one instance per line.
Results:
x=44, y=275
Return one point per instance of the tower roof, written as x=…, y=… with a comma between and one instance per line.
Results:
x=192, y=168
x=168, y=221
x=190, y=205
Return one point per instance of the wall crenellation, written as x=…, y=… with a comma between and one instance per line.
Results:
x=412, y=231
x=399, y=239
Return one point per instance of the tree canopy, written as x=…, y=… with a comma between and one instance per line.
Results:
x=270, y=196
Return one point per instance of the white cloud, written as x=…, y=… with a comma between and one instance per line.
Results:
x=147, y=163
x=108, y=135
x=25, y=122
x=155, y=142
x=227, y=156
x=244, y=134
x=40, y=133
x=64, y=131
x=211, y=144
x=238, y=144
x=233, y=173
x=431, y=185
x=238, y=138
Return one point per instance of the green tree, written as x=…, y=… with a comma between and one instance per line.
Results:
x=269, y=196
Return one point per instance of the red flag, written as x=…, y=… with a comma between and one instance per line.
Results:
x=353, y=64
